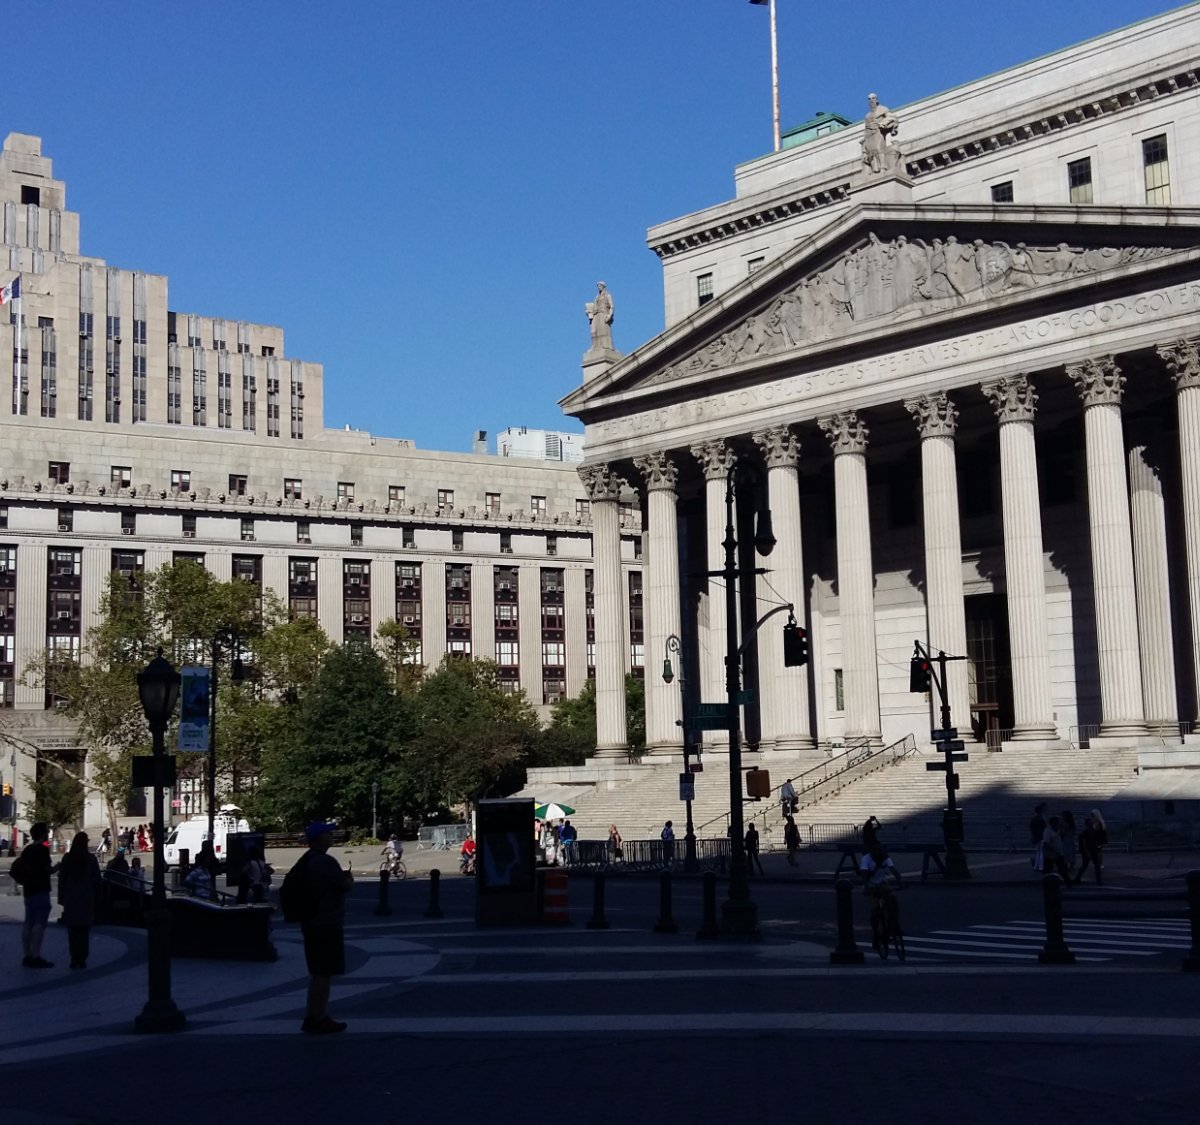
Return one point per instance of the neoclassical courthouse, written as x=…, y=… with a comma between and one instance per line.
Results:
x=957, y=349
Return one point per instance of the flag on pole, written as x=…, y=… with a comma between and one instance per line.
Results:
x=11, y=291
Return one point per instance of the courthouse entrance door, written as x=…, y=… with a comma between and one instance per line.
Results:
x=989, y=668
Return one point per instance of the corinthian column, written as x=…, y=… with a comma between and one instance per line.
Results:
x=603, y=487
x=1151, y=570
x=664, y=709
x=1183, y=362
x=1015, y=403
x=716, y=458
x=1100, y=385
x=937, y=420
x=783, y=692
x=856, y=575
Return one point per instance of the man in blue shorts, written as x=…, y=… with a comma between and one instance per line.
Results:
x=36, y=869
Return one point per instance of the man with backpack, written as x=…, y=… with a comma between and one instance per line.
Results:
x=314, y=894
x=32, y=870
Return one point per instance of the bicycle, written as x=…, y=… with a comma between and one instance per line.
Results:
x=886, y=933
x=393, y=865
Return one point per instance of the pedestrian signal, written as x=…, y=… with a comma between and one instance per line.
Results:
x=918, y=674
x=7, y=789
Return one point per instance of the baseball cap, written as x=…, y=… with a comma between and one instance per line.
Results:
x=318, y=828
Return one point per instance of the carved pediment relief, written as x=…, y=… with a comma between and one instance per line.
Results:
x=892, y=282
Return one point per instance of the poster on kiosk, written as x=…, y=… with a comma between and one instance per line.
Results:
x=504, y=863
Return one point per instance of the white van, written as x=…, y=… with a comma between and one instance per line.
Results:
x=192, y=833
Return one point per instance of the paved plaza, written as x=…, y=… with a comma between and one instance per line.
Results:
x=628, y=1025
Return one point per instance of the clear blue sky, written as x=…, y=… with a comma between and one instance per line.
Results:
x=424, y=194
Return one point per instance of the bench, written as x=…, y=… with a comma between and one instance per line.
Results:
x=219, y=929
x=930, y=854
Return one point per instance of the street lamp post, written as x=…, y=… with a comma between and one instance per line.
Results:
x=158, y=689
x=236, y=674
x=739, y=914
x=690, y=862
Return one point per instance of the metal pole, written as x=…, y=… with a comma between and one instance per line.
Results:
x=739, y=915
x=775, y=74
x=160, y=1012
x=212, y=747
x=374, y=816
x=690, y=863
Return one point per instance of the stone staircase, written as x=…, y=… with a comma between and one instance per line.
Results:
x=997, y=792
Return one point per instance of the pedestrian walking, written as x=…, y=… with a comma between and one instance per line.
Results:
x=33, y=869
x=668, y=839
x=615, y=851
x=751, y=845
x=787, y=797
x=105, y=845
x=323, y=928
x=1091, y=846
x=79, y=889
x=143, y=844
x=567, y=836
x=1052, y=851
x=791, y=840
x=137, y=873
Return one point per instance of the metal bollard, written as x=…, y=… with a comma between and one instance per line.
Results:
x=666, y=923
x=383, y=909
x=598, y=921
x=709, y=930
x=434, y=910
x=1191, y=963
x=847, y=951
x=1055, y=951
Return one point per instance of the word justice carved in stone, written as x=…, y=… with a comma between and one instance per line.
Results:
x=898, y=280
x=1049, y=329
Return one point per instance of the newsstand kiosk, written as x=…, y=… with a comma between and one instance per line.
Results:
x=505, y=887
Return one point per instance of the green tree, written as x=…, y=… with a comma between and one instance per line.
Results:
x=473, y=739
x=398, y=649
x=57, y=794
x=571, y=736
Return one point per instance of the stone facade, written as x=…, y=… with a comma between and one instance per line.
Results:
x=962, y=380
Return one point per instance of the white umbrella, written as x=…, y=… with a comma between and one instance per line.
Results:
x=552, y=811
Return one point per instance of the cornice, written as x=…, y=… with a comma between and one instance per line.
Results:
x=786, y=203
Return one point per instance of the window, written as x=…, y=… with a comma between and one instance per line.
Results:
x=458, y=615
x=537, y=506
x=1158, y=172
x=506, y=543
x=552, y=581
x=552, y=617
x=181, y=479
x=839, y=693
x=583, y=509
x=456, y=540
x=292, y=488
x=189, y=527
x=30, y=194
x=4, y=516
x=506, y=615
x=356, y=534
x=66, y=519
x=303, y=531
x=508, y=654
x=1002, y=193
x=491, y=501
x=460, y=650
x=121, y=476
x=302, y=572
x=237, y=485
x=396, y=494
x=247, y=530
x=128, y=523
x=345, y=490
x=408, y=536
x=445, y=499
x=704, y=289
x=755, y=264
x=60, y=471
x=554, y=654
x=551, y=545
x=1079, y=180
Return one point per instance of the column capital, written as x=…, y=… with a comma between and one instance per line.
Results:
x=846, y=432
x=1014, y=400
x=600, y=482
x=935, y=415
x=658, y=471
x=1098, y=380
x=780, y=447
x=1183, y=362
x=716, y=458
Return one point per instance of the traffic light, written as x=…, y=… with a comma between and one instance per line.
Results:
x=795, y=645
x=918, y=674
x=8, y=789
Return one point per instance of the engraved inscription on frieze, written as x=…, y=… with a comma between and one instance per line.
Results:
x=897, y=281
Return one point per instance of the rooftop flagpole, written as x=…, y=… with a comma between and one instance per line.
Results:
x=774, y=66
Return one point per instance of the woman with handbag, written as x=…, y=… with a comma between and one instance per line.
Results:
x=79, y=890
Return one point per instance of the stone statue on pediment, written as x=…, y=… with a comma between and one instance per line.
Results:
x=600, y=318
x=880, y=126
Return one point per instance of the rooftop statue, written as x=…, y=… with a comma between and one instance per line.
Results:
x=600, y=317
x=881, y=123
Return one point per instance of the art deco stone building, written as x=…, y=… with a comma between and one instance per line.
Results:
x=960, y=344
x=134, y=435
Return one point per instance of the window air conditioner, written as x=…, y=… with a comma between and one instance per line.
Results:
x=409, y=619
x=64, y=527
x=407, y=583
x=127, y=531
x=189, y=535
x=303, y=538
x=551, y=551
x=503, y=585
x=456, y=584
x=458, y=546
x=356, y=618
x=63, y=615
x=506, y=550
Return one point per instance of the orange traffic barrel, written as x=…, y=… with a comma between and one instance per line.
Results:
x=554, y=899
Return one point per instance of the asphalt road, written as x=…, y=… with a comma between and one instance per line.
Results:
x=625, y=1025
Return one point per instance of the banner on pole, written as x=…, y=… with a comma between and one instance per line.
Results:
x=194, y=708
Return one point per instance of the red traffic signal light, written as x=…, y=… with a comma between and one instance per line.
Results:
x=795, y=646
x=919, y=678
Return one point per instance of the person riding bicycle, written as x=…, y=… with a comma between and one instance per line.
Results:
x=880, y=875
x=466, y=856
x=392, y=851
